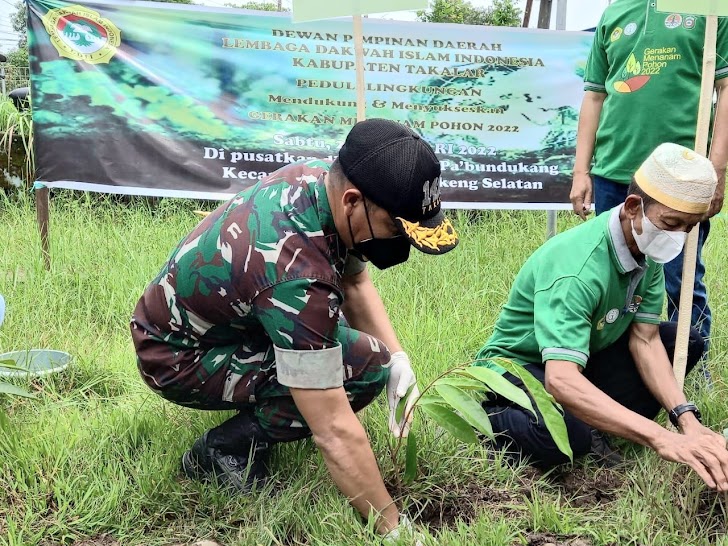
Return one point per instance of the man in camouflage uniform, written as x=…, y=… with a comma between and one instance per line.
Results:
x=247, y=312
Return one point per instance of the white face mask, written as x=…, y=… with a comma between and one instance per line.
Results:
x=660, y=245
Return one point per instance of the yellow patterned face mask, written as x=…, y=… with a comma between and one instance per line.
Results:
x=437, y=239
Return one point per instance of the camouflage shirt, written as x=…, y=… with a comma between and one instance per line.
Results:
x=263, y=268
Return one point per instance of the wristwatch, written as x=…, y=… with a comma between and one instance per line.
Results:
x=676, y=412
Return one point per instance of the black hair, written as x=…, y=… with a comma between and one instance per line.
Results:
x=336, y=172
x=337, y=177
x=634, y=189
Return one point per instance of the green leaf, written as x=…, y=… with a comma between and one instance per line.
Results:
x=548, y=407
x=402, y=404
x=463, y=383
x=500, y=385
x=7, y=388
x=468, y=408
x=410, y=467
x=11, y=365
x=426, y=399
x=451, y=422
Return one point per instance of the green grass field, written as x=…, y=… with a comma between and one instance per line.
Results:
x=95, y=458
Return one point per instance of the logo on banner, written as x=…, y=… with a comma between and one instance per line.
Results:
x=81, y=34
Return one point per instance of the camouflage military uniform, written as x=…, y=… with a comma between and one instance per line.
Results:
x=257, y=280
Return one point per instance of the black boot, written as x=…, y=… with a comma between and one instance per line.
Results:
x=602, y=452
x=235, y=454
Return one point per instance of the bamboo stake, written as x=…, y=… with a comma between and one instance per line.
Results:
x=691, y=248
x=359, y=55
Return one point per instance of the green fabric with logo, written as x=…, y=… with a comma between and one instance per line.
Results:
x=575, y=296
x=649, y=64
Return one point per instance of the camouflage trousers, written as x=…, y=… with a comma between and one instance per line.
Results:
x=243, y=378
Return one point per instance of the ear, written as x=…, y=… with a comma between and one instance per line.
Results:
x=350, y=199
x=633, y=206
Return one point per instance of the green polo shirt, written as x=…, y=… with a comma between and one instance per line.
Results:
x=649, y=64
x=575, y=296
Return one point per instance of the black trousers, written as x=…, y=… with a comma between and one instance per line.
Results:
x=613, y=371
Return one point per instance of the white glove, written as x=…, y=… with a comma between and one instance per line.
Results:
x=401, y=377
x=404, y=529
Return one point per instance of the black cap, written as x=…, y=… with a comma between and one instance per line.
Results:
x=398, y=171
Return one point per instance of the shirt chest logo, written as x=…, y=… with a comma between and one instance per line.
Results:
x=634, y=305
x=612, y=316
x=673, y=20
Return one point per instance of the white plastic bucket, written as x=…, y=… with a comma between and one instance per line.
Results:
x=35, y=362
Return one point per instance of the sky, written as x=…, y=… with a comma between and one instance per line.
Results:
x=580, y=14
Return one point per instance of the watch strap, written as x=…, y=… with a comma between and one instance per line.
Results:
x=677, y=411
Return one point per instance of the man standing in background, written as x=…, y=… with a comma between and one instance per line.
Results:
x=642, y=86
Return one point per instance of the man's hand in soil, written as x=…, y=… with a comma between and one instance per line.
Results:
x=405, y=529
x=701, y=449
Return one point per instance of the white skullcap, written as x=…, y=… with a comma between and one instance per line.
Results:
x=678, y=178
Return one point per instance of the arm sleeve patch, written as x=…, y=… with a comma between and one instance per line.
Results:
x=322, y=369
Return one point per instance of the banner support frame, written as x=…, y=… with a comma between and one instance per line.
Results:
x=359, y=63
x=42, y=209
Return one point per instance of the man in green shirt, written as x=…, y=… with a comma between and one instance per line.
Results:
x=583, y=316
x=642, y=84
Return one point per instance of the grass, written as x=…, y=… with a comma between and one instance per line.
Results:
x=97, y=454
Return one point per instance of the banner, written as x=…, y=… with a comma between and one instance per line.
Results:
x=694, y=7
x=188, y=101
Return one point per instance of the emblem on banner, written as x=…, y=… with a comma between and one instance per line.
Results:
x=81, y=34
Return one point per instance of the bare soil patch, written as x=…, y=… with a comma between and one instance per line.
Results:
x=102, y=540
x=586, y=488
x=546, y=539
x=105, y=540
x=463, y=505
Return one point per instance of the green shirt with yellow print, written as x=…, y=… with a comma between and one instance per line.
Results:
x=649, y=64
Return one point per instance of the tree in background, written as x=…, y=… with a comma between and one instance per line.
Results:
x=19, y=21
x=18, y=56
x=260, y=6
x=502, y=13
